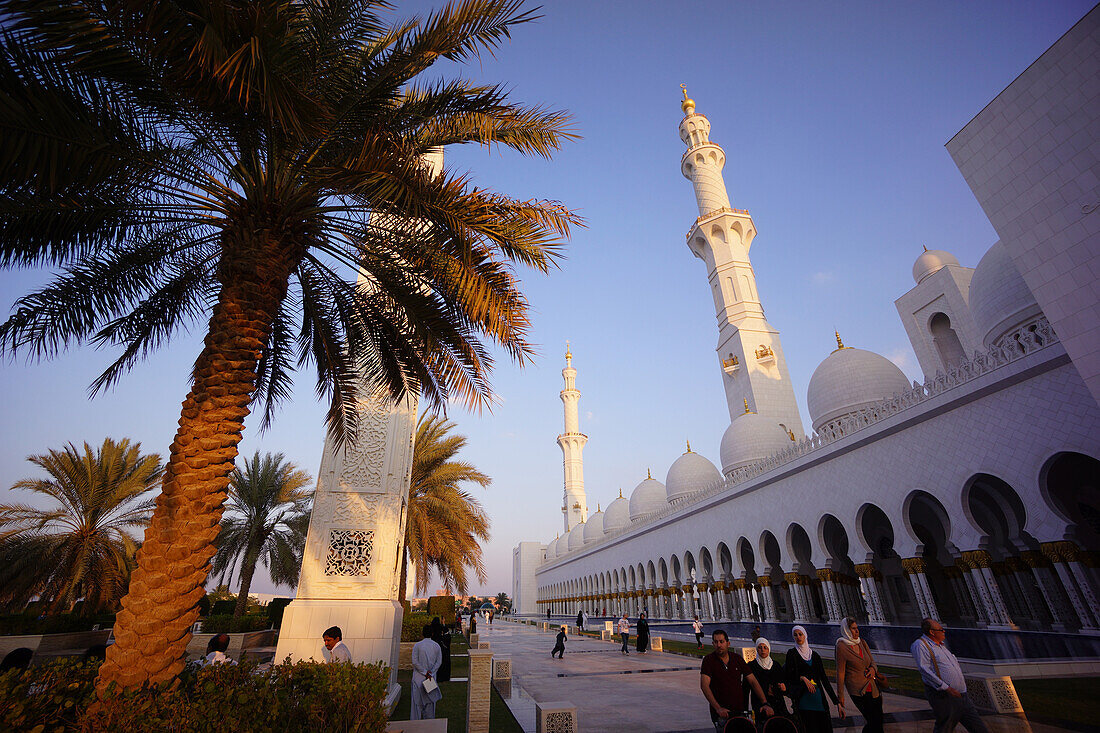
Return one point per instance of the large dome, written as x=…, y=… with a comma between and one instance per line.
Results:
x=848, y=380
x=593, y=528
x=617, y=515
x=576, y=536
x=1000, y=300
x=930, y=261
x=688, y=474
x=750, y=438
x=647, y=497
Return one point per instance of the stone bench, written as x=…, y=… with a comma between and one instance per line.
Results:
x=993, y=693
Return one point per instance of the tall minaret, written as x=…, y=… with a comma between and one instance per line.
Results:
x=749, y=351
x=574, y=506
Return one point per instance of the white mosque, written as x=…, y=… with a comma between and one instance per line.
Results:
x=972, y=497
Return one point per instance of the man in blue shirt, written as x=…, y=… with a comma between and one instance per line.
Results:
x=944, y=683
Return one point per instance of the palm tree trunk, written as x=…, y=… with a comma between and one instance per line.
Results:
x=154, y=626
x=404, y=573
x=247, y=570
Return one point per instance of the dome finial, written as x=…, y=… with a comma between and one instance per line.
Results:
x=689, y=446
x=648, y=473
x=839, y=343
x=620, y=492
x=747, y=410
x=688, y=105
x=925, y=247
x=598, y=510
x=568, y=355
x=791, y=433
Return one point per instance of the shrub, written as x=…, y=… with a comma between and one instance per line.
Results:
x=444, y=607
x=231, y=624
x=223, y=608
x=275, y=610
x=302, y=696
x=412, y=626
x=61, y=624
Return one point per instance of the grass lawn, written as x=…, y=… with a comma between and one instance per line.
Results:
x=453, y=706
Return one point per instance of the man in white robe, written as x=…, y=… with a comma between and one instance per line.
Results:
x=426, y=658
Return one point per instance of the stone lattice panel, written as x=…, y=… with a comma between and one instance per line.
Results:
x=657, y=644
x=349, y=552
x=555, y=717
x=502, y=668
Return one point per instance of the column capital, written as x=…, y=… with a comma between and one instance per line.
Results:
x=1034, y=559
x=1064, y=551
x=826, y=575
x=740, y=583
x=977, y=559
x=792, y=578
x=914, y=565
x=719, y=585
x=701, y=587
x=764, y=580
x=865, y=570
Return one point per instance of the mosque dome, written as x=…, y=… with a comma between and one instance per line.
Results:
x=689, y=474
x=750, y=438
x=1000, y=300
x=930, y=261
x=593, y=528
x=647, y=497
x=552, y=548
x=576, y=536
x=850, y=379
x=617, y=515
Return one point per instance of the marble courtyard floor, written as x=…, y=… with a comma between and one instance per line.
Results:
x=656, y=692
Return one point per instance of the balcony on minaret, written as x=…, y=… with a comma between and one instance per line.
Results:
x=731, y=364
x=765, y=355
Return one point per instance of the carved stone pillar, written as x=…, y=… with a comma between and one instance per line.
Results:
x=828, y=587
x=1029, y=590
x=767, y=597
x=1063, y=555
x=798, y=611
x=1052, y=593
x=743, y=599
x=718, y=599
x=959, y=590
x=980, y=564
x=866, y=573
x=915, y=568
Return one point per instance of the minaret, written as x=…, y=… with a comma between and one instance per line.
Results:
x=574, y=506
x=749, y=352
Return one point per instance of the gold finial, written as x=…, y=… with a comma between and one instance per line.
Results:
x=568, y=354
x=747, y=410
x=689, y=446
x=839, y=344
x=925, y=247
x=688, y=105
x=791, y=434
x=648, y=473
x=598, y=510
x=620, y=492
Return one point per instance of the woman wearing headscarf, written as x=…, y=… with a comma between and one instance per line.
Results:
x=855, y=674
x=808, y=684
x=643, y=634
x=771, y=677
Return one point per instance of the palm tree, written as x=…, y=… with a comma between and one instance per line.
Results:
x=79, y=547
x=446, y=524
x=503, y=602
x=266, y=519
x=241, y=162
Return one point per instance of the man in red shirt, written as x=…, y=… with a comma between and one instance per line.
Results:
x=721, y=679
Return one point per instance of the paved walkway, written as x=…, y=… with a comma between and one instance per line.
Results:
x=656, y=692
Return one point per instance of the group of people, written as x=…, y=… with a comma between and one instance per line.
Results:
x=732, y=686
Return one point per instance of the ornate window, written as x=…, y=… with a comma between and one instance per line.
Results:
x=349, y=552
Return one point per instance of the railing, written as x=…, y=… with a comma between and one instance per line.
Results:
x=1027, y=339
x=715, y=212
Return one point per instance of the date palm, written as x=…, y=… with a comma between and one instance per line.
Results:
x=257, y=165
x=446, y=524
x=266, y=519
x=80, y=545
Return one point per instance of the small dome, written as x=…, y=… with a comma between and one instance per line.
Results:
x=850, y=379
x=751, y=438
x=576, y=536
x=593, y=528
x=647, y=497
x=551, y=549
x=930, y=261
x=689, y=474
x=617, y=515
x=1000, y=300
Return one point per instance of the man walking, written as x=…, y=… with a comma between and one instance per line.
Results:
x=722, y=677
x=624, y=633
x=580, y=620
x=944, y=683
x=697, y=627
x=559, y=645
x=426, y=658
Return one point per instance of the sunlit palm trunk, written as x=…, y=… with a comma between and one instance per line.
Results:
x=154, y=627
x=248, y=569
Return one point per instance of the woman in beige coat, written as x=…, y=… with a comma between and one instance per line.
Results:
x=855, y=676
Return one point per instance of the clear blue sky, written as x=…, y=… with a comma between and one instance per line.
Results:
x=833, y=117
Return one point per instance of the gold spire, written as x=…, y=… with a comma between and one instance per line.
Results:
x=839, y=344
x=689, y=446
x=568, y=355
x=648, y=473
x=598, y=510
x=688, y=105
x=747, y=410
x=791, y=434
x=620, y=492
x=925, y=247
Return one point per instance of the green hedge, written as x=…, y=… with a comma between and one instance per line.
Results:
x=412, y=626
x=61, y=624
x=231, y=624
x=444, y=607
x=304, y=696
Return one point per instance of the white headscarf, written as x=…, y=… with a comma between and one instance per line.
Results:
x=846, y=632
x=804, y=649
x=764, y=662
